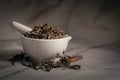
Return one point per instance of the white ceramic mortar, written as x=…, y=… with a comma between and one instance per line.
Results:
x=41, y=49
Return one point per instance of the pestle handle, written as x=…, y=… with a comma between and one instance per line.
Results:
x=20, y=27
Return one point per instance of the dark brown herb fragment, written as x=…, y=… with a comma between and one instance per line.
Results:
x=75, y=67
x=16, y=58
x=45, y=31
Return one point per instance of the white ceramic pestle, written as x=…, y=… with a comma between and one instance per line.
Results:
x=20, y=27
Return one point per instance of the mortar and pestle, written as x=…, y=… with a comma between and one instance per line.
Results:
x=40, y=49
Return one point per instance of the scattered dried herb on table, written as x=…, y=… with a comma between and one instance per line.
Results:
x=45, y=31
x=61, y=61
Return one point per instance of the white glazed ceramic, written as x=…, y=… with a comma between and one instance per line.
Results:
x=41, y=49
x=20, y=27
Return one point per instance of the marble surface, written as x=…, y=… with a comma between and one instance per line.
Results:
x=101, y=62
x=93, y=24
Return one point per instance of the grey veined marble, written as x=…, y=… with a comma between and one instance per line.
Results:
x=93, y=24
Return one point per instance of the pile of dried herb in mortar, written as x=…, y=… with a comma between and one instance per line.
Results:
x=45, y=31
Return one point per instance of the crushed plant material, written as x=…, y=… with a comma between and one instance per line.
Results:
x=45, y=31
x=61, y=61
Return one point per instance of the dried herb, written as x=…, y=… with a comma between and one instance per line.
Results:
x=16, y=58
x=45, y=31
x=63, y=61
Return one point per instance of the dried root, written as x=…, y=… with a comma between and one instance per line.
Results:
x=45, y=31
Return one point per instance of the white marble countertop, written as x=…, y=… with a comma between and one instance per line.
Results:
x=99, y=63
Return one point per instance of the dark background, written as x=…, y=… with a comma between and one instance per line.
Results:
x=92, y=20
